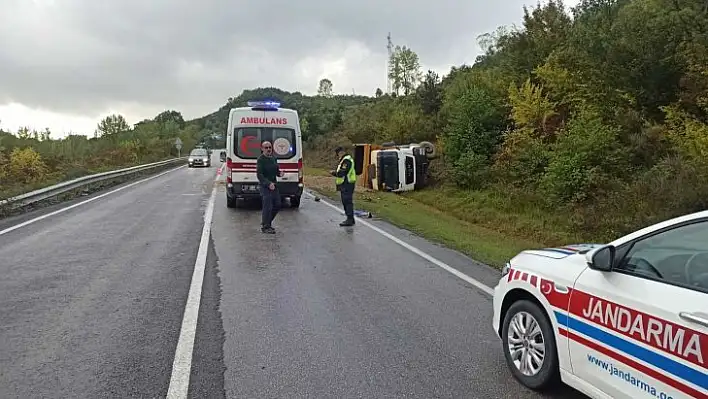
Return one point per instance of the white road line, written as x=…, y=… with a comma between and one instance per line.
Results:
x=182, y=364
x=37, y=219
x=488, y=290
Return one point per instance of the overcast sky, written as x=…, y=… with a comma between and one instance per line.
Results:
x=65, y=64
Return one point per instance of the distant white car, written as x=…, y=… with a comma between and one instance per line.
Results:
x=624, y=320
x=199, y=157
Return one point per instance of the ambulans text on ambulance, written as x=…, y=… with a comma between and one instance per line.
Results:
x=252, y=120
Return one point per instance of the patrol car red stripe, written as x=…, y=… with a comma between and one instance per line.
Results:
x=656, y=332
x=643, y=327
x=557, y=299
x=636, y=365
x=622, y=341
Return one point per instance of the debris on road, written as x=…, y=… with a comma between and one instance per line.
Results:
x=363, y=214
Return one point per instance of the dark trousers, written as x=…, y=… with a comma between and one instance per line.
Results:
x=271, y=205
x=347, y=192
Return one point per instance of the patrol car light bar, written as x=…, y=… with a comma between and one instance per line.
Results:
x=264, y=104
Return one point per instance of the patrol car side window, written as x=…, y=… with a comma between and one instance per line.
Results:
x=678, y=256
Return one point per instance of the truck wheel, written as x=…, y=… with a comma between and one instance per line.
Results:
x=429, y=148
x=230, y=202
x=529, y=346
x=295, y=202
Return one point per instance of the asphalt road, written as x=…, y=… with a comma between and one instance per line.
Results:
x=92, y=303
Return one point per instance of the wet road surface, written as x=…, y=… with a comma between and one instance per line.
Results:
x=92, y=301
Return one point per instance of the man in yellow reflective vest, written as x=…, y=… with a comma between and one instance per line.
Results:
x=345, y=179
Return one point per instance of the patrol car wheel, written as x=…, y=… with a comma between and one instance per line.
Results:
x=530, y=345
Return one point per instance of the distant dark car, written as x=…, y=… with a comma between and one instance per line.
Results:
x=199, y=157
x=222, y=156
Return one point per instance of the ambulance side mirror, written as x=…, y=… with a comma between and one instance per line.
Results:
x=602, y=258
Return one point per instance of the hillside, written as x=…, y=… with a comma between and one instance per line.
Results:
x=572, y=127
x=599, y=116
x=319, y=115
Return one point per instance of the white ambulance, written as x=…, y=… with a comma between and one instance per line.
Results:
x=247, y=128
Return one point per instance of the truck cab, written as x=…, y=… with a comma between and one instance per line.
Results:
x=391, y=167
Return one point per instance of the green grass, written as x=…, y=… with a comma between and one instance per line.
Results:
x=477, y=224
x=310, y=171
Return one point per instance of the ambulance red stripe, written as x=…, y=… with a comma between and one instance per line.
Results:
x=252, y=165
x=251, y=171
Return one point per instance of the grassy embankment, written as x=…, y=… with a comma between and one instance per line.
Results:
x=477, y=224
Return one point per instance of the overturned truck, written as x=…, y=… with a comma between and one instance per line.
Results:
x=391, y=167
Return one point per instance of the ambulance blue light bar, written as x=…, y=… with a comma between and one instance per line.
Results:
x=264, y=104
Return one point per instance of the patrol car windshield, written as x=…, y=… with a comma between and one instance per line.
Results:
x=248, y=142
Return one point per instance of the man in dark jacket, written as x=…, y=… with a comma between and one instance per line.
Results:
x=345, y=179
x=267, y=170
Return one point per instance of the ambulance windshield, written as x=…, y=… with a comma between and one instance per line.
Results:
x=248, y=142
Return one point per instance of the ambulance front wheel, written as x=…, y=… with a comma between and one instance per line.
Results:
x=529, y=345
x=230, y=202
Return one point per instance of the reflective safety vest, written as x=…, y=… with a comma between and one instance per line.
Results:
x=351, y=175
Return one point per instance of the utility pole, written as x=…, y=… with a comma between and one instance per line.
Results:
x=389, y=46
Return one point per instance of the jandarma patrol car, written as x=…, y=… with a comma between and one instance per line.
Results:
x=628, y=319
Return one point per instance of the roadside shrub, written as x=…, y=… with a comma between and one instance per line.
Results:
x=25, y=166
x=584, y=158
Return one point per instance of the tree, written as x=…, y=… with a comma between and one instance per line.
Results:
x=378, y=93
x=112, y=125
x=404, y=70
x=430, y=93
x=24, y=133
x=170, y=116
x=325, y=88
x=45, y=135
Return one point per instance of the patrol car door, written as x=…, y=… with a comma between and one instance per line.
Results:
x=641, y=330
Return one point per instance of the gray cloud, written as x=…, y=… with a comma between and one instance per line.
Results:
x=84, y=56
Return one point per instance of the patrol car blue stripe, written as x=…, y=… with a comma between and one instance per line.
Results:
x=668, y=365
x=562, y=251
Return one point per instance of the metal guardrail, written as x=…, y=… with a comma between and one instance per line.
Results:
x=57, y=189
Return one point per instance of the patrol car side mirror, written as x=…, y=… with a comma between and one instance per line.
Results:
x=602, y=258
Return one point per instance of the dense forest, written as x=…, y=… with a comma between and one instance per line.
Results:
x=600, y=113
